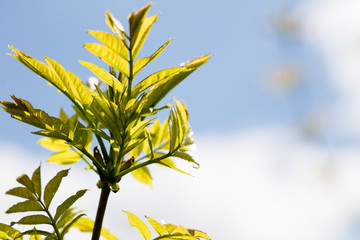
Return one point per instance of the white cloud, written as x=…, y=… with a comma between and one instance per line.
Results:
x=333, y=28
x=258, y=184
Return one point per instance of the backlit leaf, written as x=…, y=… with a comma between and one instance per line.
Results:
x=104, y=76
x=160, y=229
x=109, y=56
x=53, y=185
x=136, y=21
x=65, y=157
x=142, y=175
x=112, y=42
x=87, y=225
x=54, y=144
x=9, y=231
x=143, y=33
x=142, y=62
x=140, y=225
x=26, y=181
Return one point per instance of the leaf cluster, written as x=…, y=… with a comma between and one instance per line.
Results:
x=39, y=200
x=121, y=114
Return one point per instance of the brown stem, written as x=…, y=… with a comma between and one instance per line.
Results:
x=104, y=196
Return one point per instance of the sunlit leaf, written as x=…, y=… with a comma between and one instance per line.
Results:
x=53, y=185
x=115, y=25
x=109, y=56
x=140, y=225
x=142, y=62
x=70, y=224
x=8, y=230
x=104, y=76
x=65, y=157
x=186, y=156
x=142, y=175
x=112, y=42
x=87, y=225
x=136, y=21
x=54, y=144
x=35, y=237
x=160, y=229
x=170, y=228
x=143, y=33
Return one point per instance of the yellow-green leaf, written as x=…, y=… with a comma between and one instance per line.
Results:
x=34, y=219
x=142, y=62
x=112, y=42
x=87, y=225
x=65, y=157
x=35, y=237
x=109, y=56
x=21, y=192
x=61, y=209
x=140, y=225
x=142, y=175
x=104, y=76
x=36, y=180
x=143, y=33
x=54, y=144
x=160, y=229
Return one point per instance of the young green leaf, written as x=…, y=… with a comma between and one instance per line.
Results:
x=160, y=229
x=53, y=185
x=143, y=33
x=136, y=21
x=109, y=56
x=54, y=144
x=65, y=157
x=140, y=225
x=142, y=175
x=142, y=62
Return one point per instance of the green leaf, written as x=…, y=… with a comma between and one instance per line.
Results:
x=9, y=231
x=34, y=219
x=112, y=42
x=87, y=225
x=54, y=144
x=115, y=26
x=142, y=62
x=140, y=225
x=142, y=175
x=154, y=79
x=65, y=157
x=65, y=218
x=104, y=76
x=53, y=185
x=186, y=156
x=109, y=56
x=68, y=203
x=21, y=192
x=160, y=229
x=160, y=91
x=70, y=224
x=143, y=33
x=25, y=180
x=136, y=21
x=36, y=180
x=27, y=206
x=173, y=130
x=36, y=232
x=35, y=237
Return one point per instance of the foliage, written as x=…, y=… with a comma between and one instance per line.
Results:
x=120, y=113
x=38, y=200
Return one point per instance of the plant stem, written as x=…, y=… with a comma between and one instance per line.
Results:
x=104, y=196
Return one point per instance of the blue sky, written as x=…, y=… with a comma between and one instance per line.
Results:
x=275, y=113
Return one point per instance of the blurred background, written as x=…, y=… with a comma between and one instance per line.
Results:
x=276, y=113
